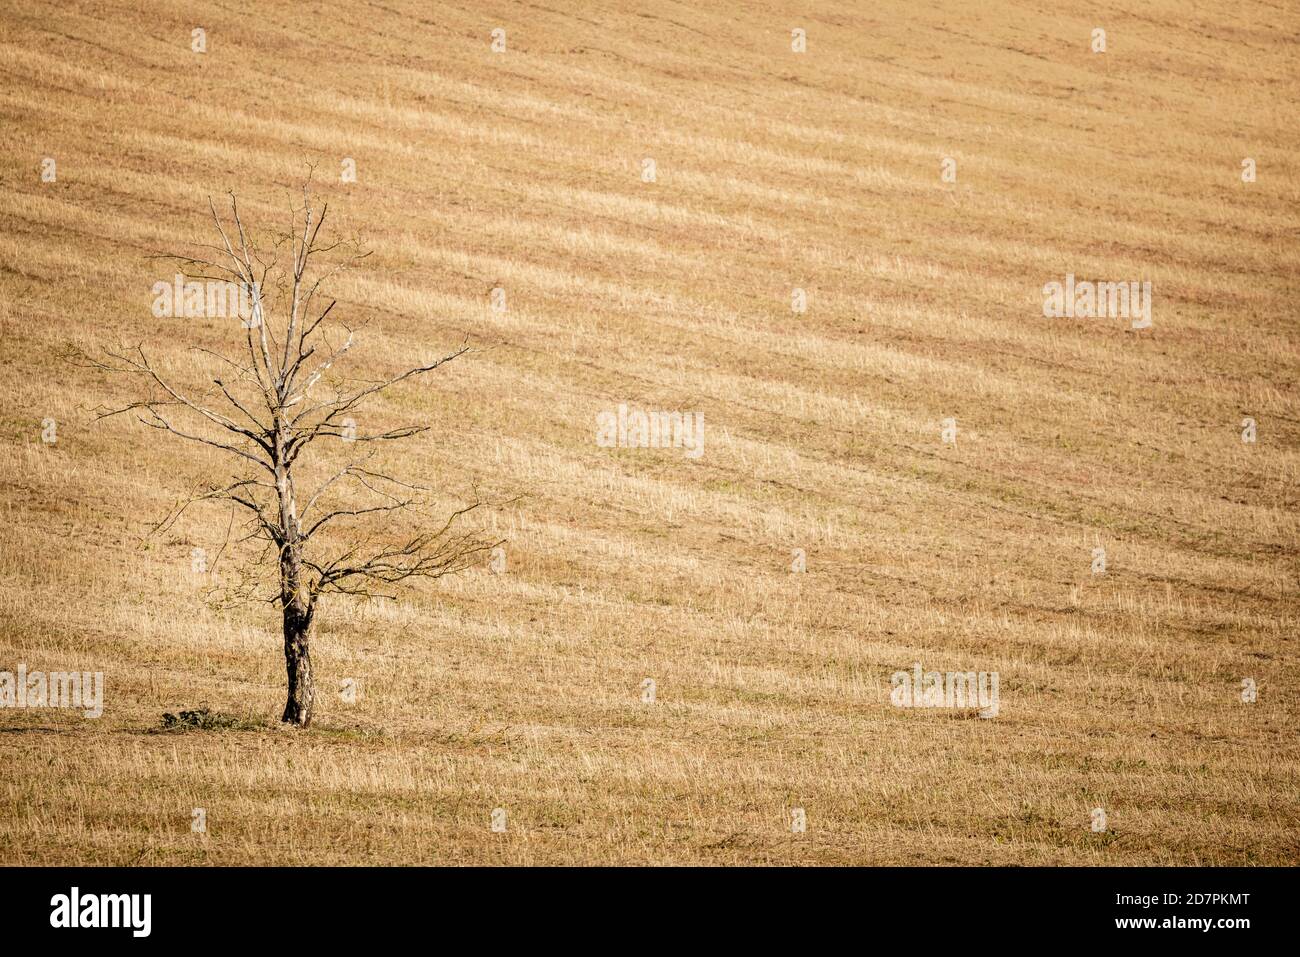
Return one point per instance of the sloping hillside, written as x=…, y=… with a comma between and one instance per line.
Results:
x=775, y=173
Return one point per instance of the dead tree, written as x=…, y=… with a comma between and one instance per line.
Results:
x=277, y=400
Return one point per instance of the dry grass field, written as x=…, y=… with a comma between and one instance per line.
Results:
x=775, y=170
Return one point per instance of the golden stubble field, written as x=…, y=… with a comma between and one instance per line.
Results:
x=774, y=170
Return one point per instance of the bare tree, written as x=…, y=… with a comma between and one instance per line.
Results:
x=271, y=404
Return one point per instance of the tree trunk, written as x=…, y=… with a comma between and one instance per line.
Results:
x=298, y=605
x=297, y=660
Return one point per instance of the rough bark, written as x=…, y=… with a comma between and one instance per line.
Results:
x=297, y=660
x=294, y=598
